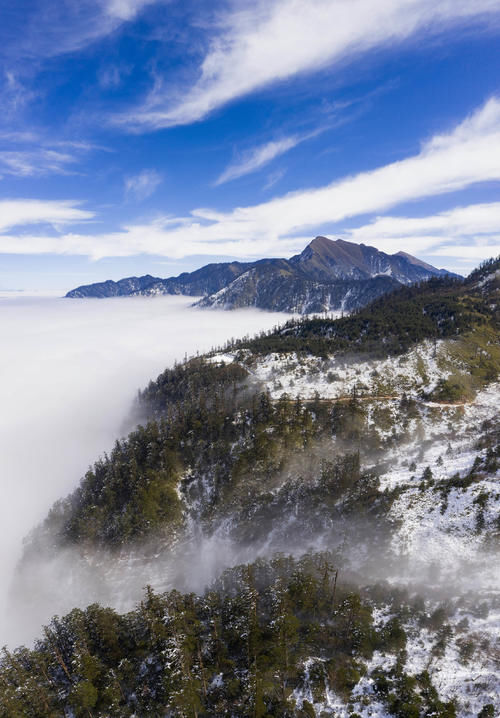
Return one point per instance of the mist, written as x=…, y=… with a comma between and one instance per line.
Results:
x=69, y=371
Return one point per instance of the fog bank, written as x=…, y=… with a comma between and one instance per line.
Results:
x=69, y=370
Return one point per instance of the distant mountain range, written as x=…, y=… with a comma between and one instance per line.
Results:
x=329, y=275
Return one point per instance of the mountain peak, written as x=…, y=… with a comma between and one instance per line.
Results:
x=334, y=249
x=320, y=241
x=327, y=259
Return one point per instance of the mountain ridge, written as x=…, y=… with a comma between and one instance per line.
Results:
x=328, y=275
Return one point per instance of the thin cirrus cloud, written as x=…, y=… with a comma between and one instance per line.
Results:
x=468, y=154
x=142, y=185
x=54, y=28
x=14, y=95
x=111, y=77
x=267, y=42
x=258, y=157
x=274, y=178
x=26, y=163
x=35, y=156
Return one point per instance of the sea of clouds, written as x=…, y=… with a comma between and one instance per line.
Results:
x=69, y=372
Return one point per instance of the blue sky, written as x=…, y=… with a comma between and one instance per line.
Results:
x=157, y=135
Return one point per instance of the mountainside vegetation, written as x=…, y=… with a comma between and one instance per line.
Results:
x=435, y=309
x=208, y=447
x=241, y=649
x=320, y=460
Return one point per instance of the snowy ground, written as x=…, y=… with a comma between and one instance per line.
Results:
x=438, y=543
x=440, y=531
x=437, y=549
x=339, y=376
x=470, y=681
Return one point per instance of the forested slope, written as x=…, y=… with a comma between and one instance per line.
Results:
x=436, y=309
x=242, y=649
x=325, y=458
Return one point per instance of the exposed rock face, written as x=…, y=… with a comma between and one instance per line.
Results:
x=286, y=292
x=325, y=260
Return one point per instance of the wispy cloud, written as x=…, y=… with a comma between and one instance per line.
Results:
x=19, y=136
x=19, y=213
x=111, y=76
x=14, y=94
x=273, y=40
x=35, y=163
x=468, y=154
x=472, y=230
x=53, y=28
x=274, y=177
x=142, y=185
x=125, y=9
x=33, y=156
x=257, y=157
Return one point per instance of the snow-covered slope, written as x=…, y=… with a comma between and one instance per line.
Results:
x=441, y=468
x=373, y=441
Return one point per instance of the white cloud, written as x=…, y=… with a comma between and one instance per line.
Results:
x=125, y=9
x=142, y=185
x=19, y=136
x=30, y=163
x=265, y=42
x=23, y=212
x=471, y=232
x=469, y=154
x=273, y=178
x=53, y=28
x=35, y=156
x=72, y=401
x=473, y=219
x=258, y=157
x=14, y=94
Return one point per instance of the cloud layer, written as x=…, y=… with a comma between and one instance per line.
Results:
x=467, y=155
x=62, y=410
x=470, y=232
x=262, y=43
